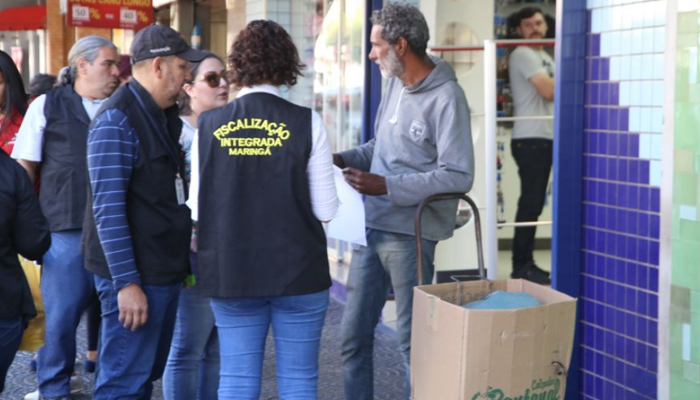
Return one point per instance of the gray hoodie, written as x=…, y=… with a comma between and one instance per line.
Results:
x=423, y=146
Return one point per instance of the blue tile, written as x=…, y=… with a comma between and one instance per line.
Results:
x=623, y=141
x=595, y=45
x=643, y=272
x=615, y=96
x=631, y=252
x=619, y=346
x=632, y=195
x=654, y=278
x=644, y=172
x=644, y=193
x=653, y=252
x=655, y=199
x=613, y=117
x=613, y=138
x=593, y=95
x=642, y=301
x=654, y=312
x=634, y=145
x=653, y=357
x=630, y=324
x=642, y=329
x=624, y=120
x=600, y=216
x=653, y=331
x=605, y=71
x=604, y=99
x=622, y=173
x=620, y=243
x=654, y=226
x=643, y=224
x=630, y=350
x=593, y=69
x=601, y=168
x=633, y=169
x=603, y=142
x=594, y=111
x=602, y=117
x=631, y=301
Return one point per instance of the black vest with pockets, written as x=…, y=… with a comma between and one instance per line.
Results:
x=160, y=227
x=63, y=188
x=257, y=234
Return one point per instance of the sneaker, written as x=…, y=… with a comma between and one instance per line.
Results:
x=76, y=386
x=533, y=274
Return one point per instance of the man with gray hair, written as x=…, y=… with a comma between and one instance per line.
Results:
x=422, y=146
x=53, y=138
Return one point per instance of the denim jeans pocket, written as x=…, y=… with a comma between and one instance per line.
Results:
x=10, y=328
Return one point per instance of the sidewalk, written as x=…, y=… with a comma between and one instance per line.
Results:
x=387, y=365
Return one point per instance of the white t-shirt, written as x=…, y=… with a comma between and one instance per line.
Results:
x=30, y=138
x=524, y=63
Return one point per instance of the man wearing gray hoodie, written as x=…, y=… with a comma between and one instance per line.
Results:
x=423, y=146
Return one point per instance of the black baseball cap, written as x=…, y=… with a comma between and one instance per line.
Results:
x=160, y=41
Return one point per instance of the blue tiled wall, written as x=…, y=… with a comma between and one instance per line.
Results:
x=621, y=199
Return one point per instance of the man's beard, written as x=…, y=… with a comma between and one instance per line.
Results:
x=392, y=66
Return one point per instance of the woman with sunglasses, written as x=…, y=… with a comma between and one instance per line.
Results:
x=192, y=370
x=13, y=102
x=262, y=183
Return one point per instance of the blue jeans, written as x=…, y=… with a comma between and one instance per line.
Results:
x=389, y=260
x=192, y=371
x=10, y=337
x=131, y=361
x=243, y=323
x=66, y=288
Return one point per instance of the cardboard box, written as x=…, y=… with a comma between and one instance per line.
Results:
x=461, y=354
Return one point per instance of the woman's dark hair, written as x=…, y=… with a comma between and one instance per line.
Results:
x=15, y=96
x=264, y=52
x=184, y=105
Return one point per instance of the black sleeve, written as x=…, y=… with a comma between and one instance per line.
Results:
x=31, y=231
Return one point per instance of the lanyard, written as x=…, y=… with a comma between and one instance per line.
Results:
x=166, y=142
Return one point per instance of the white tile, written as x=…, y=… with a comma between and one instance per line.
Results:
x=687, y=334
x=595, y=20
x=625, y=93
x=635, y=67
x=635, y=93
x=614, y=68
x=657, y=120
x=648, y=10
x=616, y=18
x=658, y=61
x=647, y=66
x=647, y=38
x=660, y=13
x=657, y=95
x=656, y=143
x=637, y=16
x=635, y=41
x=634, y=119
x=615, y=39
x=605, y=21
x=645, y=120
x=625, y=68
x=655, y=173
x=626, y=17
x=659, y=39
x=646, y=92
x=605, y=3
x=689, y=213
x=645, y=146
x=592, y=3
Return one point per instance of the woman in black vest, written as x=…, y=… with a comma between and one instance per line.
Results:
x=262, y=183
x=192, y=371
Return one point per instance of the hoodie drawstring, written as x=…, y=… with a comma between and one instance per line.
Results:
x=395, y=118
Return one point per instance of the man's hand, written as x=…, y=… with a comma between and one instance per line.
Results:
x=364, y=182
x=338, y=161
x=133, y=307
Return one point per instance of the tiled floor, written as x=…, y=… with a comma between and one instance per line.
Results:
x=387, y=364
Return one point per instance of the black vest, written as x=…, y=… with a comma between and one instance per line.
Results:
x=160, y=228
x=257, y=234
x=64, y=183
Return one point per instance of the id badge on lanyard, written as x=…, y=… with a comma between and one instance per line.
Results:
x=179, y=189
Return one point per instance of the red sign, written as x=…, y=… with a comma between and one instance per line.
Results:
x=114, y=14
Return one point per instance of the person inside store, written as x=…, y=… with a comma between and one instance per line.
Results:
x=13, y=102
x=24, y=231
x=41, y=84
x=531, y=73
x=192, y=371
x=137, y=227
x=53, y=140
x=262, y=184
x=422, y=146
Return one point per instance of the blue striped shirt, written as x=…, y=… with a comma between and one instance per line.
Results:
x=112, y=152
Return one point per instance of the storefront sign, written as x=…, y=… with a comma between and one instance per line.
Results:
x=114, y=14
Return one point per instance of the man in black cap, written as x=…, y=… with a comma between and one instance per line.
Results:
x=137, y=226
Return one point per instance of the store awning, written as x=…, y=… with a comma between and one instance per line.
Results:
x=23, y=18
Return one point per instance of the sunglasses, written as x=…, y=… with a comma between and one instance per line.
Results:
x=213, y=79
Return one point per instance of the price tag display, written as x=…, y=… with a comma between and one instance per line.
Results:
x=81, y=13
x=128, y=16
